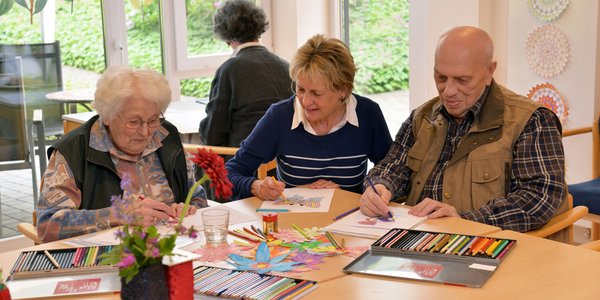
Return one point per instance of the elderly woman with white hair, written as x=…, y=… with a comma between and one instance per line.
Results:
x=129, y=138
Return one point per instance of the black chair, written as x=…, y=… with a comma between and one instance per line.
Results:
x=42, y=74
x=16, y=131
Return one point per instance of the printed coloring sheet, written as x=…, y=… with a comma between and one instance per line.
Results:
x=302, y=200
x=357, y=224
x=401, y=219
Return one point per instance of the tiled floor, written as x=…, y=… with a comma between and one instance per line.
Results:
x=16, y=200
x=16, y=194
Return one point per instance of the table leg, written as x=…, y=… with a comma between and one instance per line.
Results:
x=86, y=106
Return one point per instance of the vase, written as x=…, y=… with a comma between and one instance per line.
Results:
x=149, y=283
x=4, y=294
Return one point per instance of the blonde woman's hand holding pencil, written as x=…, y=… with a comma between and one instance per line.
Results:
x=267, y=189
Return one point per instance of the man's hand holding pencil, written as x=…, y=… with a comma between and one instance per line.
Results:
x=374, y=201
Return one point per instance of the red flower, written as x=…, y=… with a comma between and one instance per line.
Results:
x=214, y=166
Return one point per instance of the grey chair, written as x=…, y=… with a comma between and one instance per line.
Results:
x=16, y=129
x=42, y=74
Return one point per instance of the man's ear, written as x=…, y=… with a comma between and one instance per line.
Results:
x=491, y=68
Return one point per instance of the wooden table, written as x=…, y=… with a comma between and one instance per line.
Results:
x=185, y=115
x=535, y=269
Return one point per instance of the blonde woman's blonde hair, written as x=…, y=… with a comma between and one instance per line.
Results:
x=328, y=58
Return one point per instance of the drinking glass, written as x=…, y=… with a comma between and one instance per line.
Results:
x=216, y=223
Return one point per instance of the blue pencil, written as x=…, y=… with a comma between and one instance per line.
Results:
x=346, y=213
x=272, y=210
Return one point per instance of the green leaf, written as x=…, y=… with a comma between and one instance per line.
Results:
x=112, y=257
x=5, y=6
x=22, y=3
x=166, y=245
x=39, y=5
x=129, y=272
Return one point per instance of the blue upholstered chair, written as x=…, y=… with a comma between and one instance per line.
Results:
x=588, y=193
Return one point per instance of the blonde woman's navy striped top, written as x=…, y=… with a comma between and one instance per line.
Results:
x=302, y=158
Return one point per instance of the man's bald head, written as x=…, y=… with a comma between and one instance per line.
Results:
x=471, y=41
x=463, y=68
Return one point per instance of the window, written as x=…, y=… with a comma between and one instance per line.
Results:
x=193, y=53
x=377, y=33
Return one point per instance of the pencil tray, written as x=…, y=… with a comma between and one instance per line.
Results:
x=68, y=261
x=440, y=244
x=448, y=258
x=226, y=283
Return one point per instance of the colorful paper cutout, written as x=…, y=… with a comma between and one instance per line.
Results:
x=551, y=98
x=548, y=51
x=547, y=10
x=263, y=262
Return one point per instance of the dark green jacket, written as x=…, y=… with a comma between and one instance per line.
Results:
x=96, y=175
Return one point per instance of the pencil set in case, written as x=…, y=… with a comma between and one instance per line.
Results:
x=57, y=262
x=226, y=283
x=440, y=243
x=448, y=258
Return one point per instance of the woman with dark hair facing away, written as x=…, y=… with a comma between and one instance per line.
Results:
x=323, y=136
x=247, y=83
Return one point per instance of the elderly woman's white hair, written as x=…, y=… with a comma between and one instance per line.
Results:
x=120, y=83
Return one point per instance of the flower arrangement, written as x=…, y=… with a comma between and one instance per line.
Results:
x=141, y=247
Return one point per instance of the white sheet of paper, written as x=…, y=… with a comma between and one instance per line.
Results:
x=302, y=200
x=357, y=224
x=235, y=217
x=107, y=237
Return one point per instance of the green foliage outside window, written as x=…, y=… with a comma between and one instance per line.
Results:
x=378, y=40
x=379, y=44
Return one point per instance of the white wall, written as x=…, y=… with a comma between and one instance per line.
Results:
x=428, y=20
x=579, y=23
x=509, y=23
x=297, y=20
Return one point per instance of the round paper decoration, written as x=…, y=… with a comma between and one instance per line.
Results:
x=548, y=51
x=551, y=98
x=547, y=10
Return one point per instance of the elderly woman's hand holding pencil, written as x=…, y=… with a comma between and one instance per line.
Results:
x=268, y=189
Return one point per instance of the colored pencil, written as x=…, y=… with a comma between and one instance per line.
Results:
x=332, y=240
x=272, y=210
x=282, y=195
x=345, y=213
x=300, y=231
x=244, y=237
x=51, y=258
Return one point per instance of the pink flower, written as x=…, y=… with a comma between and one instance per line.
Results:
x=127, y=261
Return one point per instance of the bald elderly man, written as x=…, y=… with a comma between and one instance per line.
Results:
x=476, y=151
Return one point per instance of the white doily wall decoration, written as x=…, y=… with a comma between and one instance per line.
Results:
x=548, y=51
x=550, y=97
x=547, y=10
